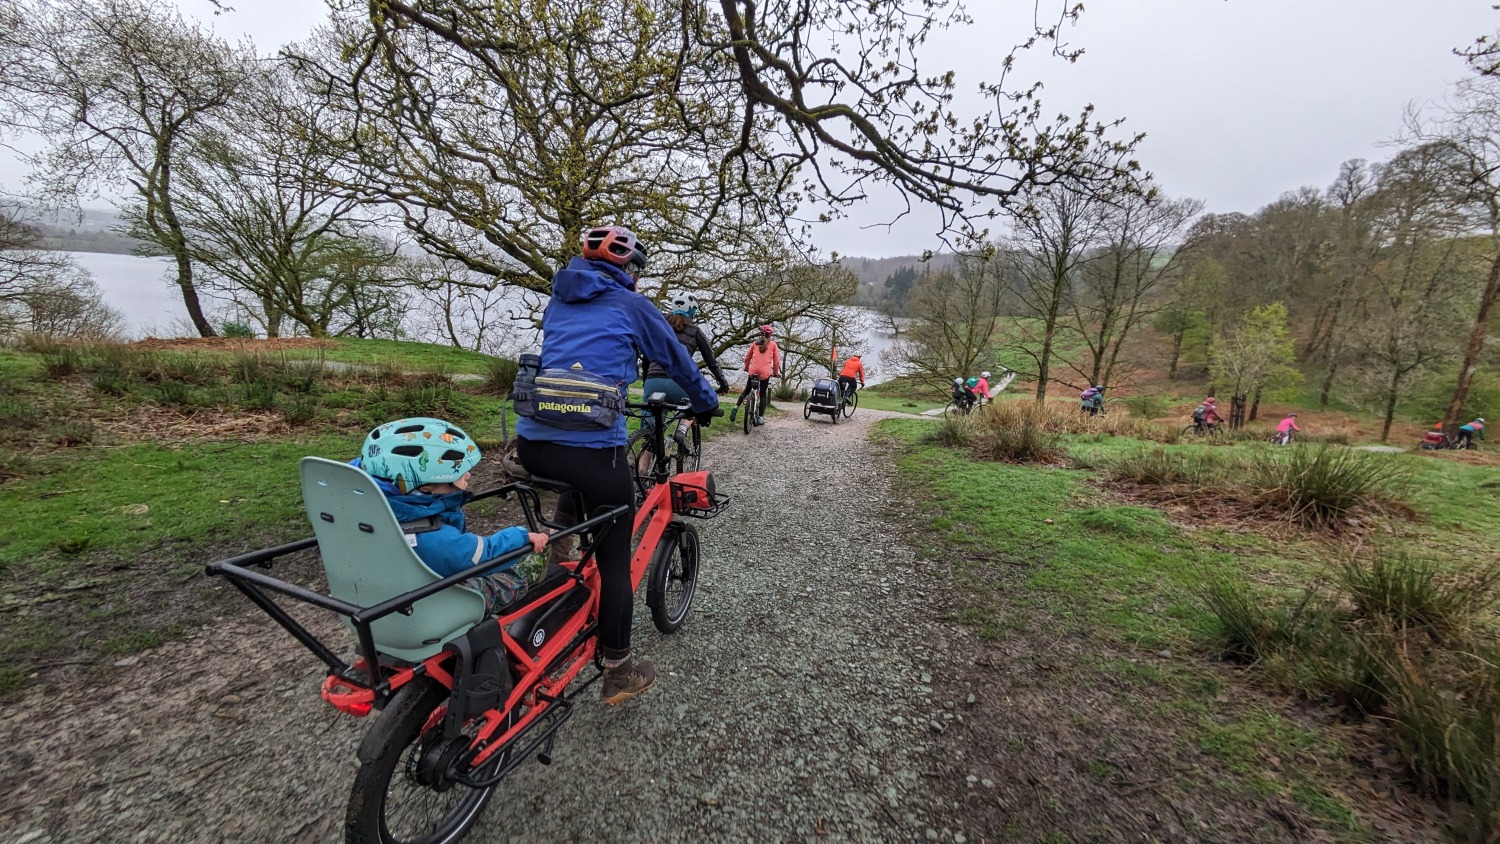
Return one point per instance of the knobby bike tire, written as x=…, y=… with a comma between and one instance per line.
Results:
x=638, y=443
x=672, y=580
x=750, y=409
x=852, y=404
x=690, y=459
x=368, y=815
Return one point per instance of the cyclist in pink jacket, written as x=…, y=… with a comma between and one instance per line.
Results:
x=762, y=362
x=1285, y=427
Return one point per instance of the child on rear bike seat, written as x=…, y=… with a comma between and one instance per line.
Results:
x=423, y=466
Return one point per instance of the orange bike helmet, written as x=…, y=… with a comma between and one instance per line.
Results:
x=615, y=244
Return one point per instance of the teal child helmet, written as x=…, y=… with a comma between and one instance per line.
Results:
x=416, y=451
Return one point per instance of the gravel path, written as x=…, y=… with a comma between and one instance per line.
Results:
x=794, y=705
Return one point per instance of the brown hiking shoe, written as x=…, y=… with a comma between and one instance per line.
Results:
x=626, y=680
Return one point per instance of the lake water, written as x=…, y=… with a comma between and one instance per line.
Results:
x=142, y=289
x=145, y=293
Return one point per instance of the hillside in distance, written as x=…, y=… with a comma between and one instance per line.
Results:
x=873, y=271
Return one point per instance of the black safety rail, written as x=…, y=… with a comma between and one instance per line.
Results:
x=255, y=586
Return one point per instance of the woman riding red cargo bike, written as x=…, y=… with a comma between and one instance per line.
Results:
x=468, y=690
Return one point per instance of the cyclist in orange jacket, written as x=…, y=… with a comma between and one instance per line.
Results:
x=853, y=369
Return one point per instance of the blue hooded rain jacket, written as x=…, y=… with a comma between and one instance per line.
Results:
x=597, y=321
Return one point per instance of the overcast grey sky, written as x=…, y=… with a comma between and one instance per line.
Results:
x=1241, y=100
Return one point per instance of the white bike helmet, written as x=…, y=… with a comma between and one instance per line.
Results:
x=1480, y=420
x=984, y=375
x=958, y=382
x=685, y=304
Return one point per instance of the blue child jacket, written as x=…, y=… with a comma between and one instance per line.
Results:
x=450, y=549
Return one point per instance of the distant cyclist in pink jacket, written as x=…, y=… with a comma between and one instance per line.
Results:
x=762, y=362
x=982, y=389
x=1285, y=427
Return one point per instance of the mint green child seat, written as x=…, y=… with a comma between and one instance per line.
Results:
x=368, y=561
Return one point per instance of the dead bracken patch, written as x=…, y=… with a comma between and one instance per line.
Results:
x=1230, y=511
x=172, y=424
x=233, y=344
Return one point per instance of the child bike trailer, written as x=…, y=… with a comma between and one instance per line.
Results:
x=822, y=398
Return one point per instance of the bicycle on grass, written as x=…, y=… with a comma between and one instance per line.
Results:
x=960, y=408
x=1202, y=430
x=464, y=699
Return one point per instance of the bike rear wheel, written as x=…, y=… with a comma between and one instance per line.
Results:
x=673, y=578
x=752, y=407
x=851, y=404
x=396, y=798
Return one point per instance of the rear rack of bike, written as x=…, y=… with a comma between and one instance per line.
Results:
x=261, y=588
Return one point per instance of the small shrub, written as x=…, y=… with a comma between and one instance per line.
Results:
x=1320, y=486
x=1447, y=724
x=1148, y=407
x=784, y=391
x=237, y=330
x=303, y=376
x=423, y=400
x=500, y=375
x=62, y=362
x=74, y=433
x=188, y=369
x=1016, y=432
x=1246, y=632
x=17, y=412
x=15, y=464
x=300, y=410
x=952, y=432
x=174, y=393
x=258, y=395
x=387, y=371
x=1411, y=592
x=1159, y=467
x=112, y=383
x=250, y=368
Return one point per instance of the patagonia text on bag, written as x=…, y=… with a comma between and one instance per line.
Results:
x=570, y=400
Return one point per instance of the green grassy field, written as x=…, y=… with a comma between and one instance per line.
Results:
x=1029, y=538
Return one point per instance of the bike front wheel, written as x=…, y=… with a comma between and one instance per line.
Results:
x=400, y=796
x=851, y=404
x=673, y=578
x=688, y=448
x=640, y=444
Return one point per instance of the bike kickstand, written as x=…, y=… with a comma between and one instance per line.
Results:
x=544, y=755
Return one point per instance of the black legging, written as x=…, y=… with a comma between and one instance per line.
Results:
x=602, y=475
